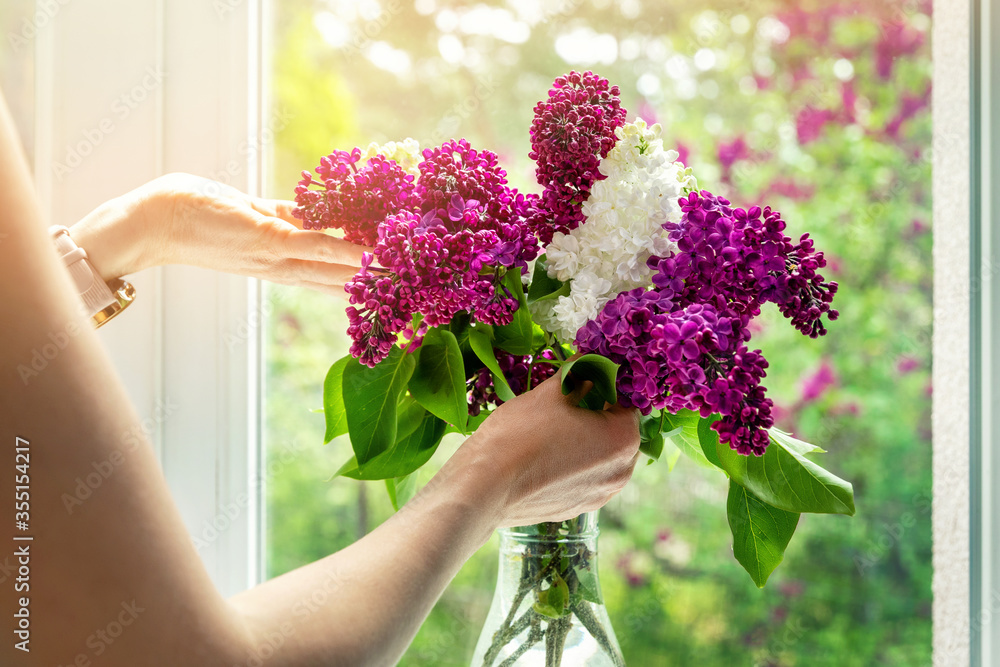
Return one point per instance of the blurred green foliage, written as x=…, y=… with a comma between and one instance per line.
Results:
x=816, y=108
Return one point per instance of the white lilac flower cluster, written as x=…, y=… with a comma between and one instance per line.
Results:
x=623, y=227
x=405, y=153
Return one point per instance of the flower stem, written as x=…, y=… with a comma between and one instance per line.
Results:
x=593, y=625
x=534, y=637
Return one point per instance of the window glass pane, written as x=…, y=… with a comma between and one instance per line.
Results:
x=820, y=110
x=18, y=26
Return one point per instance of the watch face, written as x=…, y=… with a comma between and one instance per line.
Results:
x=124, y=295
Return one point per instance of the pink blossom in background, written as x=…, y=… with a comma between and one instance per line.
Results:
x=835, y=264
x=907, y=364
x=801, y=73
x=683, y=153
x=787, y=187
x=633, y=578
x=783, y=417
x=816, y=384
x=792, y=588
x=810, y=122
x=849, y=408
x=898, y=39
x=647, y=112
x=849, y=99
x=908, y=108
x=729, y=153
x=919, y=227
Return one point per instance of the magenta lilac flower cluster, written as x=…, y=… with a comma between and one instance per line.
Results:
x=434, y=266
x=682, y=344
x=521, y=372
x=572, y=130
x=443, y=240
x=352, y=197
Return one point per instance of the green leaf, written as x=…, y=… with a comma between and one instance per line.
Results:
x=515, y=337
x=401, y=489
x=438, y=381
x=673, y=457
x=542, y=286
x=793, y=444
x=409, y=414
x=483, y=347
x=598, y=369
x=374, y=395
x=760, y=532
x=554, y=600
x=785, y=478
x=404, y=457
x=650, y=435
x=333, y=400
x=681, y=429
x=588, y=589
x=709, y=439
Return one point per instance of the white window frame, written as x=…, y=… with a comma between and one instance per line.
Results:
x=189, y=349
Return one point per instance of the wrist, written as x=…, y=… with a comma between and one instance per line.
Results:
x=120, y=236
x=469, y=482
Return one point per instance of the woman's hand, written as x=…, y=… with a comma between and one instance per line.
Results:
x=184, y=219
x=542, y=458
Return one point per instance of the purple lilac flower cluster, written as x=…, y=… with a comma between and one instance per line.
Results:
x=443, y=242
x=681, y=345
x=572, y=130
x=521, y=372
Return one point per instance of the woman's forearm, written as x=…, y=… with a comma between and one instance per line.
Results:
x=364, y=604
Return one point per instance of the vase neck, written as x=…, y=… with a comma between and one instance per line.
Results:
x=583, y=526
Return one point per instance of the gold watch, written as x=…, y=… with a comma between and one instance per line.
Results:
x=101, y=301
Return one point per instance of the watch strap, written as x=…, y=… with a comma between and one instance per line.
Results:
x=101, y=302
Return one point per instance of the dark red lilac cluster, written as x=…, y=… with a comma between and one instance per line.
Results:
x=572, y=130
x=443, y=242
x=682, y=344
x=521, y=372
x=434, y=266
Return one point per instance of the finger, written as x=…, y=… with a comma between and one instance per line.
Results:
x=276, y=208
x=298, y=271
x=580, y=389
x=319, y=247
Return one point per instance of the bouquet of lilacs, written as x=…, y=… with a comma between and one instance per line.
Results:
x=621, y=271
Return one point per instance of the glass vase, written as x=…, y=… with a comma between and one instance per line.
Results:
x=547, y=610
